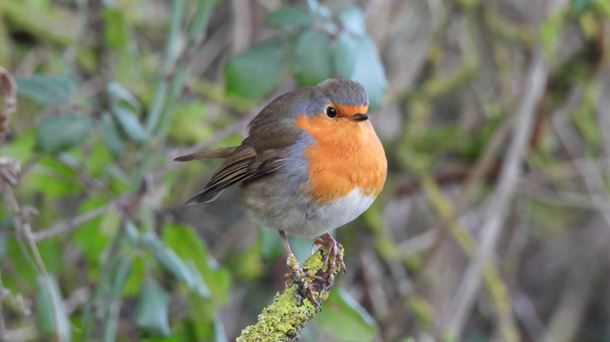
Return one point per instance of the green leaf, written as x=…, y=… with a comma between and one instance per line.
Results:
x=47, y=89
x=59, y=133
x=92, y=237
x=21, y=146
x=130, y=124
x=312, y=58
x=254, y=73
x=137, y=276
x=587, y=123
x=50, y=308
x=117, y=37
x=356, y=59
x=115, y=28
x=111, y=136
x=247, y=263
x=549, y=30
x=290, y=17
x=198, y=284
x=167, y=258
x=352, y=19
x=121, y=97
x=581, y=6
x=186, y=272
x=98, y=158
x=345, y=319
x=120, y=269
x=319, y=10
x=54, y=180
x=152, y=313
x=125, y=107
x=189, y=247
x=3, y=237
x=108, y=296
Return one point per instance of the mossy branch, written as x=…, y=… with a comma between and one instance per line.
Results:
x=283, y=319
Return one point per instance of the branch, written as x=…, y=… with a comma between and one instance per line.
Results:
x=8, y=94
x=283, y=319
x=70, y=224
x=501, y=200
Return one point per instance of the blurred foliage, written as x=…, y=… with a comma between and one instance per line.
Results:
x=110, y=91
x=305, y=48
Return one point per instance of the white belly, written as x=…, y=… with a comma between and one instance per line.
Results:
x=302, y=217
x=339, y=213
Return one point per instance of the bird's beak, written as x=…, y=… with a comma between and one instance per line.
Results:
x=360, y=117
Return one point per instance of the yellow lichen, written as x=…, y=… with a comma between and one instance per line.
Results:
x=290, y=311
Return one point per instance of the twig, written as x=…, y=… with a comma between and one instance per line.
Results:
x=569, y=169
x=8, y=92
x=242, y=24
x=373, y=284
x=494, y=283
x=603, y=106
x=283, y=319
x=70, y=224
x=210, y=51
x=578, y=294
x=26, y=233
x=176, y=66
x=178, y=55
x=77, y=298
x=418, y=243
x=172, y=51
x=485, y=163
x=591, y=174
x=560, y=198
x=526, y=312
x=8, y=177
x=83, y=175
x=499, y=204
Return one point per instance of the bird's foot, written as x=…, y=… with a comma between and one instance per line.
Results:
x=333, y=258
x=297, y=276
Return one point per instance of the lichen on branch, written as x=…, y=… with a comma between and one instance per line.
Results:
x=283, y=319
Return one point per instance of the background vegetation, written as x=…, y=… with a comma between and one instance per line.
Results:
x=494, y=222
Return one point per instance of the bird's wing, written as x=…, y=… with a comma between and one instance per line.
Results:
x=243, y=164
x=272, y=133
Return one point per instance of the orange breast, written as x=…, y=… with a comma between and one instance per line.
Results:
x=346, y=155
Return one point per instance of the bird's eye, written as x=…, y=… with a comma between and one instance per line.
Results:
x=331, y=112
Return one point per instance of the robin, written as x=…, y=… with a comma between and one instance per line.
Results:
x=311, y=163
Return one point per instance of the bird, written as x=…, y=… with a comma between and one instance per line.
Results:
x=311, y=163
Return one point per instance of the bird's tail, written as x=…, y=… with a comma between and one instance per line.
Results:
x=232, y=170
x=223, y=152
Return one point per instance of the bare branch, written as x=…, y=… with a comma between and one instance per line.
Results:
x=70, y=224
x=25, y=230
x=500, y=202
x=8, y=92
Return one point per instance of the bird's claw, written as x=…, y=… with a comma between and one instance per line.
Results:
x=297, y=276
x=333, y=258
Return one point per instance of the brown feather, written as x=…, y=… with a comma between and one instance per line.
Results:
x=272, y=133
x=223, y=152
x=243, y=165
